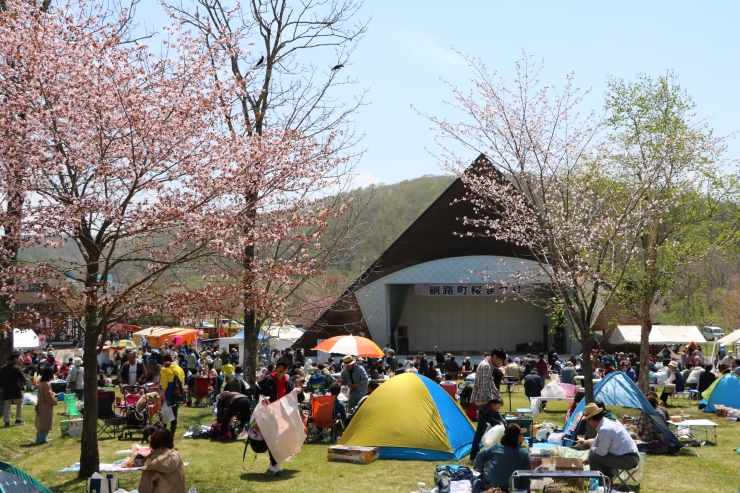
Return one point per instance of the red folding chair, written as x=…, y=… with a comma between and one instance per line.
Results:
x=202, y=390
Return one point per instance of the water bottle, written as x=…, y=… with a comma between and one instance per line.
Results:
x=192, y=490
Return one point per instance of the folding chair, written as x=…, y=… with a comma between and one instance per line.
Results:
x=201, y=391
x=70, y=402
x=108, y=420
x=321, y=420
x=624, y=475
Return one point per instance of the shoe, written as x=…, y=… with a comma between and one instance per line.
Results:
x=7, y=424
x=276, y=470
x=270, y=468
x=19, y=422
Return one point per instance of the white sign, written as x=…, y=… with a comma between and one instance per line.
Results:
x=472, y=290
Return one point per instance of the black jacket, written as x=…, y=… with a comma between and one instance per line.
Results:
x=705, y=380
x=451, y=365
x=532, y=385
x=423, y=366
x=123, y=374
x=11, y=381
x=268, y=387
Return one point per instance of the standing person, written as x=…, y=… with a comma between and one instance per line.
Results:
x=356, y=378
x=542, y=368
x=192, y=361
x=613, y=447
x=275, y=386
x=132, y=371
x=77, y=375
x=484, y=389
x=12, y=381
x=163, y=470
x=438, y=356
x=172, y=385
x=423, y=363
x=392, y=361
x=44, y=412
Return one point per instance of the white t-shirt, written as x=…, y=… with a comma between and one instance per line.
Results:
x=132, y=373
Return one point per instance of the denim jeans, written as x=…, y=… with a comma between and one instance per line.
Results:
x=41, y=437
x=479, y=432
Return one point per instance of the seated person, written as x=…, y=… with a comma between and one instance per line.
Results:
x=449, y=385
x=318, y=378
x=706, y=379
x=450, y=365
x=648, y=432
x=503, y=459
x=370, y=388
x=533, y=386
x=298, y=382
x=675, y=379
x=372, y=371
x=658, y=407
x=568, y=373
x=692, y=381
x=163, y=469
x=573, y=405
x=236, y=384
x=489, y=415
x=340, y=415
x=613, y=447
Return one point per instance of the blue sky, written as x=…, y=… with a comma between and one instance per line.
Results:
x=409, y=47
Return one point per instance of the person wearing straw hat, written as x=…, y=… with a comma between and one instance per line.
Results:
x=613, y=448
x=355, y=377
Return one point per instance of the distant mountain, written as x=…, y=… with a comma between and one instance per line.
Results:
x=392, y=209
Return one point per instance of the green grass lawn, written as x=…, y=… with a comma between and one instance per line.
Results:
x=217, y=466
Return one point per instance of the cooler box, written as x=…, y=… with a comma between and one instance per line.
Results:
x=524, y=422
x=354, y=455
x=71, y=427
x=58, y=386
x=566, y=465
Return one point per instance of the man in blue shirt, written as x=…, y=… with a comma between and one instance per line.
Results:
x=627, y=368
x=340, y=415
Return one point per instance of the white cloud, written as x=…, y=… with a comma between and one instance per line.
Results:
x=364, y=178
x=446, y=56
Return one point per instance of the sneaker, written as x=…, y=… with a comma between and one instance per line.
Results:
x=276, y=470
x=7, y=424
x=19, y=422
x=270, y=468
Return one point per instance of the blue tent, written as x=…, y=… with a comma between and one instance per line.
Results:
x=725, y=390
x=617, y=389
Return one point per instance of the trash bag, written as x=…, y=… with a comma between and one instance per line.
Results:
x=493, y=435
x=30, y=399
x=552, y=389
x=167, y=413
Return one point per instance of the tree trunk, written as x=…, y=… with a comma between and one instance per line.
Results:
x=646, y=325
x=586, y=365
x=251, y=347
x=89, y=453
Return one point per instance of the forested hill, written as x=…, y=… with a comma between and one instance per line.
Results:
x=391, y=209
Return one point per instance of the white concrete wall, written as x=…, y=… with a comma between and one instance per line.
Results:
x=470, y=324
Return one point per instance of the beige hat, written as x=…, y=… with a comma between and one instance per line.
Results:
x=348, y=360
x=77, y=361
x=673, y=364
x=591, y=411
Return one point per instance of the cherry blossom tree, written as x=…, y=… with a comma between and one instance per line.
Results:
x=114, y=147
x=539, y=185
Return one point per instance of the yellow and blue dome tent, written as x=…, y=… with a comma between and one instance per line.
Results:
x=725, y=390
x=410, y=417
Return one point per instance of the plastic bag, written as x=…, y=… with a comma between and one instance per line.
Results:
x=167, y=413
x=30, y=399
x=555, y=438
x=493, y=435
x=570, y=389
x=552, y=389
x=442, y=479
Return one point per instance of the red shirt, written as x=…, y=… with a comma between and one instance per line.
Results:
x=281, y=387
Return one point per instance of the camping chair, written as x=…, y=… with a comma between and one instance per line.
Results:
x=108, y=420
x=311, y=387
x=201, y=391
x=321, y=420
x=679, y=396
x=70, y=401
x=624, y=475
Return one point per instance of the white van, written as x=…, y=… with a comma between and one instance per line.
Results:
x=711, y=333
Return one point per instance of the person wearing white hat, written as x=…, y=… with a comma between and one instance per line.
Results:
x=76, y=378
x=676, y=379
x=355, y=377
x=613, y=448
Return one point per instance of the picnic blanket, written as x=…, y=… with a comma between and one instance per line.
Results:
x=116, y=466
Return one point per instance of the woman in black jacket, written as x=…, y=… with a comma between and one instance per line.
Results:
x=274, y=386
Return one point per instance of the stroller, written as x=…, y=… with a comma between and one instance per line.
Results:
x=134, y=419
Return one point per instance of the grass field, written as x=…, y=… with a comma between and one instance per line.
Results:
x=217, y=466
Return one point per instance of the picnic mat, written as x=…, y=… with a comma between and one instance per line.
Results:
x=116, y=466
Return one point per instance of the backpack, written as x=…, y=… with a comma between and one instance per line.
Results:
x=175, y=391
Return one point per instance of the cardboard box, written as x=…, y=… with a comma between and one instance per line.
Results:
x=566, y=465
x=354, y=455
x=71, y=427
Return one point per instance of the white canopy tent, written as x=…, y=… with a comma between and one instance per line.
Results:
x=659, y=335
x=26, y=339
x=278, y=337
x=731, y=339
